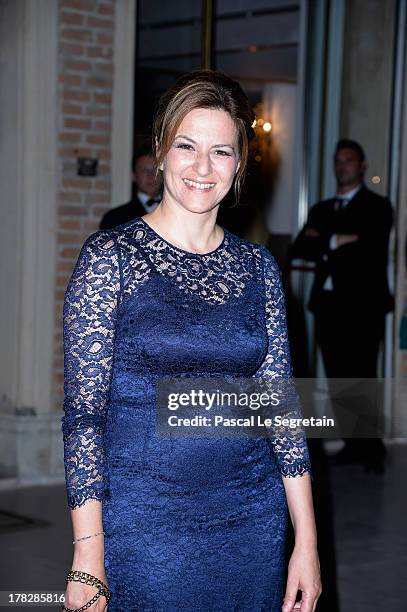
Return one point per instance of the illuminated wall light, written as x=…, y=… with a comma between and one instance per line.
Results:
x=375, y=180
x=260, y=122
x=257, y=158
x=267, y=126
x=254, y=123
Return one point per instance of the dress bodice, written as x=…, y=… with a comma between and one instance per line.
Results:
x=189, y=313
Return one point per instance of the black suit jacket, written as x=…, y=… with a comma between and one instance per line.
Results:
x=122, y=214
x=358, y=269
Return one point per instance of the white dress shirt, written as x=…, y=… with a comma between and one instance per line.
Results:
x=333, y=243
x=144, y=198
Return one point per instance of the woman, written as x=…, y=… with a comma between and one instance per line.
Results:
x=187, y=524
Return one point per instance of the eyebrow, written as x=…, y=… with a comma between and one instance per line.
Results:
x=193, y=141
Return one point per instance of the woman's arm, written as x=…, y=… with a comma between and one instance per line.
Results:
x=303, y=569
x=301, y=509
x=290, y=448
x=88, y=554
x=89, y=319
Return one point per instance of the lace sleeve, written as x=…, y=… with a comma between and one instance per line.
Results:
x=89, y=324
x=289, y=445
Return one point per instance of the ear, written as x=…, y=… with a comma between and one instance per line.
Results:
x=157, y=154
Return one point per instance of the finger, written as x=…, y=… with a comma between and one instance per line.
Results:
x=290, y=595
x=307, y=602
x=98, y=606
x=316, y=600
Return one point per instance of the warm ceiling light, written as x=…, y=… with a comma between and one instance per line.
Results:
x=375, y=180
x=260, y=122
x=267, y=126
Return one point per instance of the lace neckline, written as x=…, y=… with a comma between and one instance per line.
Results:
x=183, y=251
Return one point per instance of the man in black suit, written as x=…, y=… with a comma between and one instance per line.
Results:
x=347, y=237
x=146, y=192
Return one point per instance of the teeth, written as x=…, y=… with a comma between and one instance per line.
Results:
x=198, y=185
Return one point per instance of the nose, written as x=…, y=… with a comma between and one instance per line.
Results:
x=202, y=165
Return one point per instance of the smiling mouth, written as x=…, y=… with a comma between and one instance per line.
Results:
x=199, y=186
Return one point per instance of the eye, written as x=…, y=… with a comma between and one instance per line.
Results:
x=223, y=153
x=184, y=145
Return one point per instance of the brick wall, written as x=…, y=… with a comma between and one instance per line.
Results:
x=86, y=70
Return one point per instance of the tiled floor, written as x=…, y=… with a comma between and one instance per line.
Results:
x=371, y=536
x=369, y=522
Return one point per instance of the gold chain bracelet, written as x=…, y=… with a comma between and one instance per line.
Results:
x=85, y=578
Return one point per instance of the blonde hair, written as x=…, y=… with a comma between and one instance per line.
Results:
x=204, y=89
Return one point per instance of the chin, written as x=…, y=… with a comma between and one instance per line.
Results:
x=201, y=208
x=199, y=204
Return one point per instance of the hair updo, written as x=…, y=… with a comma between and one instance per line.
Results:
x=204, y=89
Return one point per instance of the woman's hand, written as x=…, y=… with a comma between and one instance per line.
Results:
x=77, y=593
x=304, y=575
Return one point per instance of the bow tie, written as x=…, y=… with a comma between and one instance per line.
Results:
x=152, y=202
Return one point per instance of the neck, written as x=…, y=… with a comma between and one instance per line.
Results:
x=191, y=231
x=346, y=188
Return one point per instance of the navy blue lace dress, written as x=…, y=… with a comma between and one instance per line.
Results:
x=191, y=524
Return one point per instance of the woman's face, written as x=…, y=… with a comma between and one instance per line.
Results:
x=199, y=168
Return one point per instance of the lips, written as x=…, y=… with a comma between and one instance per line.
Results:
x=194, y=185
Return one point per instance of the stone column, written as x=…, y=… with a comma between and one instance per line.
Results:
x=28, y=43
x=66, y=91
x=368, y=100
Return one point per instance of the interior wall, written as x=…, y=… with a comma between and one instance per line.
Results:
x=280, y=107
x=369, y=39
x=9, y=199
